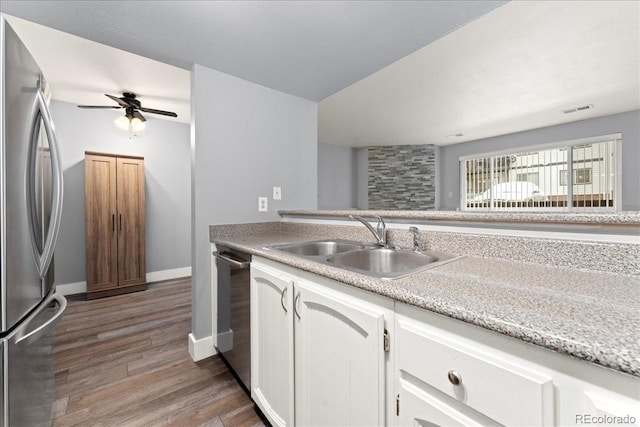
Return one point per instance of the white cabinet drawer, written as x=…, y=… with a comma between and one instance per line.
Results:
x=496, y=387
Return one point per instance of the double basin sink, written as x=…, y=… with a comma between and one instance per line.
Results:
x=375, y=261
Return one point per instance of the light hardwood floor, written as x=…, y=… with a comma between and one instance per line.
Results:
x=124, y=361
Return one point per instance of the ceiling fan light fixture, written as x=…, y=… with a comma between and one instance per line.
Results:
x=123, y=122
x=137, y=125
x=130, y=124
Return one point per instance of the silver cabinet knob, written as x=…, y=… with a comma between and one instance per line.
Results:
x=454, y=377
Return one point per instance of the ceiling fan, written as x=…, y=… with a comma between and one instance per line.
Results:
x=132, y=118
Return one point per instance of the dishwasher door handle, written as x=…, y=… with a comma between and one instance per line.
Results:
x=226, y=259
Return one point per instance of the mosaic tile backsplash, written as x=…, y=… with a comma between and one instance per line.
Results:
x=402, y=177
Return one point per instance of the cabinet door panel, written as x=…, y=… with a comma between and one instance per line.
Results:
x=272, y=345
x=131, y=233
x=419, y=406
x=101, y=239
x=339, y=360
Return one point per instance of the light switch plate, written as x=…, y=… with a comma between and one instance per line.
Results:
x=277, y=193
x=262, y=204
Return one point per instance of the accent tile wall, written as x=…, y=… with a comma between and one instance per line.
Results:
x=402, y=177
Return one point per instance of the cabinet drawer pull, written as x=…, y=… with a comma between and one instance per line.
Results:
x=454, y=377
x=284, y=292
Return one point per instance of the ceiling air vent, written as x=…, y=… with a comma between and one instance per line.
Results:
x=583, y=108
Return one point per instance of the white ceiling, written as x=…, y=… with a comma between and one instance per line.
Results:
x=516, y=68
x=510, y=68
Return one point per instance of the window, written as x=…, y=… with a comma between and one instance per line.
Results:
x=538, y=178
x=563, y=177
x=580, y=176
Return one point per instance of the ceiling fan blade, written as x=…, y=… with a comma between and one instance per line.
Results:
x=98, y=106
x=164, y=113
x=120, y=101
x=139, y=116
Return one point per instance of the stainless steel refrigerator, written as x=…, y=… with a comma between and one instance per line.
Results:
x=30, y=212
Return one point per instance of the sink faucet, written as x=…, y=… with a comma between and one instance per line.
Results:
x=378, y=232
x=416, y=238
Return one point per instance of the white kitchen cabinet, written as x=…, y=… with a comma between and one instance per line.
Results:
x=500, y=380
x=462, y=374
x=319, y=358
x=272, y=343
x=339, y=358
x=335, y=336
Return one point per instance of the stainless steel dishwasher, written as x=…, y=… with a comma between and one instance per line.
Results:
x=234, y=326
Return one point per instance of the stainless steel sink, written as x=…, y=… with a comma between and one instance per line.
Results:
x=320, y=248
x=390, y=263
x=380, y=262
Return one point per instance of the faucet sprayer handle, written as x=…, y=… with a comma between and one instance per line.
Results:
x=381, y=230
x=416, y=238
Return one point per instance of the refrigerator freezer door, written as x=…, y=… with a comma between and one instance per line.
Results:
x=29, y=371
x=21, y=272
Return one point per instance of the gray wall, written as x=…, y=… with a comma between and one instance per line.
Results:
x=245, y=139
x=337, y=183
x=626, y=123
x=165, y=148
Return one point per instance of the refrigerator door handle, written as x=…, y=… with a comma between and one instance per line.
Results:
x=41, y=110
x=22, y=341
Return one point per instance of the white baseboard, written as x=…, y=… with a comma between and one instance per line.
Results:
x=202, y=348
x=157, y=276
x=154, y=276
x=72, y=288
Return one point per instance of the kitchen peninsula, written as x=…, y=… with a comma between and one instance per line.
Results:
x=575, y=297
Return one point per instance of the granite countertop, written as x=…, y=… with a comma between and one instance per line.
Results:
x=593, y=316
x=600, y=218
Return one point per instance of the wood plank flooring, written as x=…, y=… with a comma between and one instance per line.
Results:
x=124, y=361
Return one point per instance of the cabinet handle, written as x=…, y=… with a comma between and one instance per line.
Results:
x=120, y=222
x=295, y=306
x=454, y=377
x=113, y=222
x=284, y=292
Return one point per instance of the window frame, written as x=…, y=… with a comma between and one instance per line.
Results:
x=617, y=150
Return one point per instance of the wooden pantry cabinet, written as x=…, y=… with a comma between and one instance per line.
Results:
x=115, y=224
